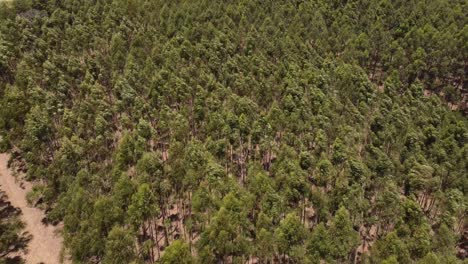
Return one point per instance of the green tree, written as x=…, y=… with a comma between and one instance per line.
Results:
x=119, y=246
x=177, y=252
x=319, y=244
x=142, y=206
x=444, y=240
x=290, y=235
x=344, y=238
x=391, y=246
x=227, y=234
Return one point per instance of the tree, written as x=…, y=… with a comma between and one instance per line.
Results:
x=290, y=235
x=319, y=244
x=177, y=252
x=227, y=234
x=105, y=216
x=142, y=209
x=430, y=258
x=420, y=242
x=390, y=260
x=444, y=240
x=343, y=237
x=119, y=246
x=265, y=242
x=127, y=154
x=391, y=246
x=123, y=191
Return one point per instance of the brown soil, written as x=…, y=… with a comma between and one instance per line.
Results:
x=46, y=243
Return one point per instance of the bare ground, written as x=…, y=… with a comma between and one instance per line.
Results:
x=46, y=243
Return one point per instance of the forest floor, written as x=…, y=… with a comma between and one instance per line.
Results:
x=46, y=243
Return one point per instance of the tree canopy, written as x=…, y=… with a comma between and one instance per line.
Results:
x=242, y=131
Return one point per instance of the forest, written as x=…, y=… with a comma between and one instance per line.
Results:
x=249, y=131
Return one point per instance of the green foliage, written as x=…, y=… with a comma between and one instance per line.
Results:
x=343, y=237
x=119, y=246
x=290, y=235
x=142, y=206
x=277, y=131
x=177, y=252
x=227, y=234
x=391, y=247
x=319, y=245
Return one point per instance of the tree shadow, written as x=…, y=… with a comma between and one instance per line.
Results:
x=14, y=260
x=9, y=220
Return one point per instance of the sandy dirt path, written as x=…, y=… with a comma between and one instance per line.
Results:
x=46, y=243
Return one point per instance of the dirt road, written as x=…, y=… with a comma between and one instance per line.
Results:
x=46, y=244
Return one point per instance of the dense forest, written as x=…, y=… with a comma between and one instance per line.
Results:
x=250, y=131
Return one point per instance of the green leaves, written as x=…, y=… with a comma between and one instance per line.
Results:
x=119, y=246
x=290, y=233
x=241, y=127
x=143, y=206
x=391, y=248
x=177, y=252
x=227, y=234
x=319, y=245
x=344, y=238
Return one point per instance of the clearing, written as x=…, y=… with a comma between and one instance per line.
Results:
x=46, y=243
